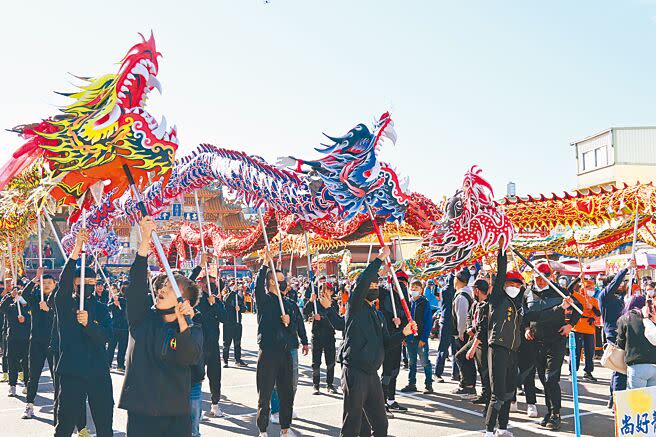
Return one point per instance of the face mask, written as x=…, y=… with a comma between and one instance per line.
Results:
x=512, y=292
x=650, y=293
x=414, y=294
x=562, y=283
x=590, y=293
x=282, y=286
x=372, y=294
x=600, y=284
x=166, y=311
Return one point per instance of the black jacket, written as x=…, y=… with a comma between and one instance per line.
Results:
x=365, y=334
x=41, y=320
x=631, y=338
x=82, y=349
x=232, y=318
x=159, y=359
x=198, y=369
x=505, y=314
x=119, y=314
x=211, y=316
x=271, y=333
x=387, y=310
x=296, y=323
x=322, y=328
x=16, y=330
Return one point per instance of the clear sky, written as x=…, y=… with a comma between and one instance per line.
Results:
x=506, y=85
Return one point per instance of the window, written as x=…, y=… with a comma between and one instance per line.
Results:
x=601, y=156
x=593, y=159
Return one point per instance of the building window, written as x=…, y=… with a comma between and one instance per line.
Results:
x=596, y=158
x=601, y=156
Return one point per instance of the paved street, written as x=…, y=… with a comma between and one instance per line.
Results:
x=442, y=414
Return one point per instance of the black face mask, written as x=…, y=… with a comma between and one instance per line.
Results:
x=372, y=294
x=166, y=311
x=282, y=286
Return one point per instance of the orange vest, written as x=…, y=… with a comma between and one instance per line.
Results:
x=587, y=322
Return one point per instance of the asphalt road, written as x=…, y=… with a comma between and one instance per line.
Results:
x=441, y=414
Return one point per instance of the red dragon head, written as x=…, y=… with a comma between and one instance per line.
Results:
x=471, y=220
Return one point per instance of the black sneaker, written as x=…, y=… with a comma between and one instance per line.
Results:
x=405, y=364
x=389, y=413
x=225, y=364
x=610, y=404
x=394, y=406
x=241, y=364
x=439, y=379
x=554, y=422
x=588, y=377
x=429, y=390
x=481, y=400
x=539, y=391
x=464, y=391
x=316, y=390
x=410, y=388
x=545, y=420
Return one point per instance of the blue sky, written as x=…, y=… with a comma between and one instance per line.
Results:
x=505, y=85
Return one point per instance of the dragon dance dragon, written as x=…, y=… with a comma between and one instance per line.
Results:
x=307, y=196
x=471, y=220
x=104, y=127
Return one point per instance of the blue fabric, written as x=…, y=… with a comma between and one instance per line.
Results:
x=413, y=351
x=611, y=304
x=196, y=409
x=426, y=318
x=585, y=342
x=446, y=342
x=275, y=401
x=617, y=380
x=432, y=299
x=641, y=375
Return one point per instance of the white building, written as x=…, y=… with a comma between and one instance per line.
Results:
x=615, y=156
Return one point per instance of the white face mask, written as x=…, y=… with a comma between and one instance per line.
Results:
x=591, y=293
x=600, y=284
x=650, y=292
x=414, y=294
x=512, y=291
x=562, y=283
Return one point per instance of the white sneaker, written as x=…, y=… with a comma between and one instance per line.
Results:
x=275, y=418
x=503, y=433
x=12, y=391
x=513, y=407
x=29, y=411
x=215, y=411
x=263, y=434
x=24, y=390
x=488, y=434
x=289, y=433
x=532, y=410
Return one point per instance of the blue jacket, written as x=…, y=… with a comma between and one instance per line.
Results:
x=430, y=295
x=423, y=315
x=611, y=304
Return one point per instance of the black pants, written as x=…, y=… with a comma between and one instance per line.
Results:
x=72, y=392
x=5, y=361
x=467, y=367
x=391, y=369
x=502, y=366
x=528, y=357
x=38, y=354
x=274, y=368
x=483, y=371
x=232, y=334
x=363, y=393
x=17, y=356
x=119, y=338
x=323, y=345
x=213, y=364
x=158, y=426
x=551, y=354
